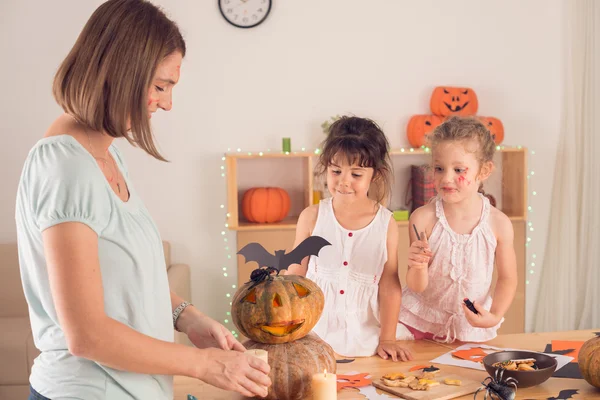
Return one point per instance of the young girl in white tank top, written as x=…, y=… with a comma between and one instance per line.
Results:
x=461, y=237
x=359, y=272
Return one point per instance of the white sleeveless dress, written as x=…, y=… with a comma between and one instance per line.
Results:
x=348, y=272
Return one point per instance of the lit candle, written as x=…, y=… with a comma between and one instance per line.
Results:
x=259, y=353
x=324, y=386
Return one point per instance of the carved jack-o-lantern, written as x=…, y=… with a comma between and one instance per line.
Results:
x=419, y=127
x=279, y=309
x=495, y=127
x=446, y=101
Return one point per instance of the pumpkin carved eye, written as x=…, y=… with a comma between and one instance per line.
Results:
x=465, y=92
x=277, y=301
x=301, y=290
x=427, y=123
x=445, y=91
x=250, y=297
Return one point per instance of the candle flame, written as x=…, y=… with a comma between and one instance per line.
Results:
x=325, y=373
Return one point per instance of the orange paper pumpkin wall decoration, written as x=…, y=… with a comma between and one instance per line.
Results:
x=495, y=127
x=265, y=204
x=419, y=126
x=446, y=101
x=280, y=309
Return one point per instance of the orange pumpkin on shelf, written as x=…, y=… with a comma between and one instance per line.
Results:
x=447, y=101
x=265, y=204
x=280, y=309
x=495, y=127
x=589, y=361
x=419, y=126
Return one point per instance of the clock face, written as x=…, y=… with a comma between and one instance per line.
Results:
x=245, y=13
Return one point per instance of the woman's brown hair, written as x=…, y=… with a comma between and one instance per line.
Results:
x=361, y=141
x=104, y=80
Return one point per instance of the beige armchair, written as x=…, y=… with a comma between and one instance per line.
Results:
x=17, y=350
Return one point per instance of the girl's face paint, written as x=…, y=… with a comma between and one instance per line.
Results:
x=455, y=170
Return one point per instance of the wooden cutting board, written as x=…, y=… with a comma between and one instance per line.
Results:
x=439, y=392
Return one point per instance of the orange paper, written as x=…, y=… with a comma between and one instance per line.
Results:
x=565, y=344
x=475, y=354
x=351, y=381
x=418, y=367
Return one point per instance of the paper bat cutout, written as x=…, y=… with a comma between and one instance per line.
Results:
x=418, y=367
x=568, y=344
x=353, y=381
x=344, y=360
x=256, y=252
x=597, y=333
x=431, y=369
x=561, y=352
x=563, y=395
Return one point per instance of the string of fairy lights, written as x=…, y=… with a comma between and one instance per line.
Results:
x=229, y=252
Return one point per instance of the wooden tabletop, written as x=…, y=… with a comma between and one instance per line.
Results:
x=423, y=351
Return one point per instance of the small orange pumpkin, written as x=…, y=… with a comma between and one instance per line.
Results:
x=589, y=361
x=265, y=205
x=280, y=309
x=446, y=101
x=419, y=126
x=495, y=127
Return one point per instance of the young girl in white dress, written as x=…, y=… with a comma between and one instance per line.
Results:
x=359, y=272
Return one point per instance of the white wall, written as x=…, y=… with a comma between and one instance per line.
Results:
x=311, y=59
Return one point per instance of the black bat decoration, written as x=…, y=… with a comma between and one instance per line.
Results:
x=563, y=395
x=256, y=252
x=597, y=333
x=269, y=263
x=561, y=352
x=470, y=306
x=431, y=369
x=344, y=360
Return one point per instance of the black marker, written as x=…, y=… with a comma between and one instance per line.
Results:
x=416, y=232
x=470, y=306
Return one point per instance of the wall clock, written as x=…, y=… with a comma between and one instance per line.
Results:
x=245, y=13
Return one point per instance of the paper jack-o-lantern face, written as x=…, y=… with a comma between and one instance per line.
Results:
x=419, y=127
x=495, y=127
x=280, y=309
x=446, y=101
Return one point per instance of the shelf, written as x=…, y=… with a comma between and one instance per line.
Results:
x=290, y=223
x=406, y=151
x=287, y=223
x=512, y=199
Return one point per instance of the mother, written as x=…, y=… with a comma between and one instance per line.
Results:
x=91, y=257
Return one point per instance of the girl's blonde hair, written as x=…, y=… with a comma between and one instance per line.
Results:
x=104, y=80
x=361, y=141
x=465, y=129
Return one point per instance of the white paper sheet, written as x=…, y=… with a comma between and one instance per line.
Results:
x=447, y=358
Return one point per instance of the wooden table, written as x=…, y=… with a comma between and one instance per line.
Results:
x=423, y=351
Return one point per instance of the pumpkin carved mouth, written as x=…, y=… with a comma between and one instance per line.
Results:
x=458, y=107
x=282, y=328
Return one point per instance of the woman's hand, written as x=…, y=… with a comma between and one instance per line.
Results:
x=205, y=332
x=391, y=348
x=484, y=319
x=235, y=371
x=419, y=253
